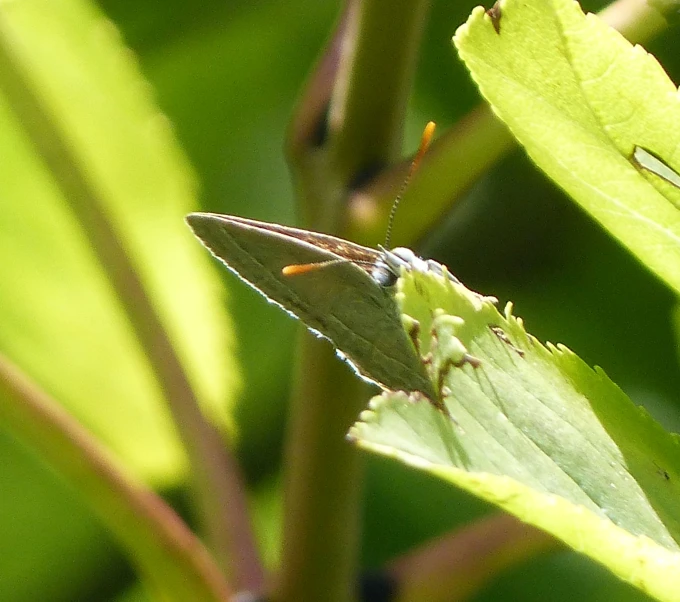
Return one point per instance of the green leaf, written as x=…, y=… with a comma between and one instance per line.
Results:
x=537, y=432
x=175, y=564
x=579, y=97
x=62, y=321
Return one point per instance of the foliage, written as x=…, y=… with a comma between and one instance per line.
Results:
x=110, y=306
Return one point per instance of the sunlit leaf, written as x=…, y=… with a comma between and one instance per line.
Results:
x=580, y=98
x=536, y=431
x=62, y=321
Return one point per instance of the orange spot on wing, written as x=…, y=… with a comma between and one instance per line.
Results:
x=301, y=268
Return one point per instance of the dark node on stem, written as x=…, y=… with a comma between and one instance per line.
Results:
x=495, y=15
x=366, y=175
x=319, y=133
x=377, y=586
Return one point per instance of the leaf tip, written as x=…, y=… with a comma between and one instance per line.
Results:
x=464, y=30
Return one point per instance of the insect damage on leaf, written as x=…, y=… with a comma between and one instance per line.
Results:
x=495, y=14
x=647, y=160
x=500, y=333
x=441, y=336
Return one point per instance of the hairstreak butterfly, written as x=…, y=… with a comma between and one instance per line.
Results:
x=339, y=289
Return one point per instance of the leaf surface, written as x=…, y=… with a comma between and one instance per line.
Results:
x=579, y=98
x=537, y=432
x=62, y=321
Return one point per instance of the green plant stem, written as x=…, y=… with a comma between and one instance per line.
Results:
x=368, y=107
x=308, y=126
x=457, y=566
x=220, y=496
x=366, y=74
x=323, y=479
x=170, y=557
x=454, y=162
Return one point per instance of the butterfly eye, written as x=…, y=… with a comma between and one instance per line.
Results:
x=383, y=274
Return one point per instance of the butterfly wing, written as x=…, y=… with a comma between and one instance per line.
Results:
x=341, y=302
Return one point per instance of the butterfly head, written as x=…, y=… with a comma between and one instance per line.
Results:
x=387, y=267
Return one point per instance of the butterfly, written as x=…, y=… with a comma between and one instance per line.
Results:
x=341, y=290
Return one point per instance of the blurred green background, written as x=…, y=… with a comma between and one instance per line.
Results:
x=227, y=74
